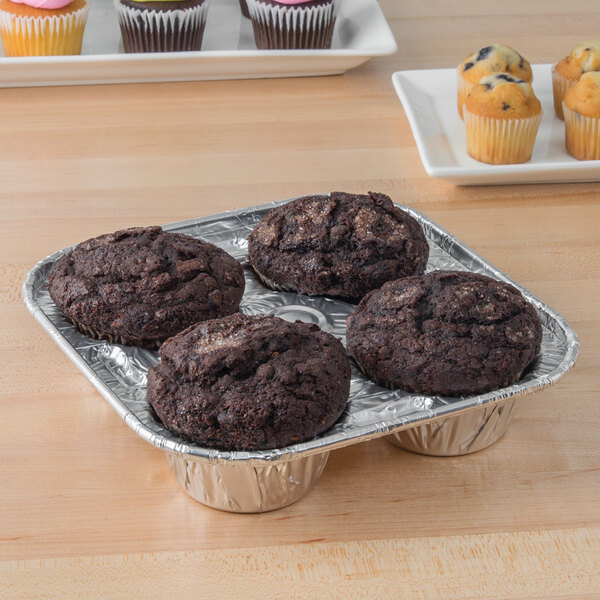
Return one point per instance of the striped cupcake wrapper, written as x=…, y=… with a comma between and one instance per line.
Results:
x=285, y=27
x=144, y=30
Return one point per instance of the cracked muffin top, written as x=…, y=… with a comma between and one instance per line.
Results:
x=494, y=58
x=584, y=58
x=447, y=333
x=250, y=382
x=502, y=96
x=140, y=286
x=340, y=245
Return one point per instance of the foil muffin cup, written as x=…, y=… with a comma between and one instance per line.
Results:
x=242, y=488
x=264, y=480
x=455, y=436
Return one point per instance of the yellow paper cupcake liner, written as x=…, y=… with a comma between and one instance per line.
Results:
x=43, y=36
x=582, y=135
x=500, y=141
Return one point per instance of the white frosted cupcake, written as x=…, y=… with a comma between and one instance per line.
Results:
x=292, y=24
x=42, y=27
x=494, y=58
x=162, y=25
x=502, y=116
x=581, y=107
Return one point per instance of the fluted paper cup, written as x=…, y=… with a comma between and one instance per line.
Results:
x=500, y=141
x=582, y=135
x=50, y=35
x=560, y=86
x=292, y=27
x=144, y=30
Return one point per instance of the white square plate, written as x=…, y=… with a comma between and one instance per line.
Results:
x=429, y=100
x=228, y=51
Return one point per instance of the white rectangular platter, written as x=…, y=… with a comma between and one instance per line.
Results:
x=228, y=51
x=429, y=100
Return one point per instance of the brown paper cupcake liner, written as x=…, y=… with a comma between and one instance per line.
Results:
x=244, y=8
x=144, y=30
x=283, y=27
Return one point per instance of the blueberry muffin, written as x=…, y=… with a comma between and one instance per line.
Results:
x=581, y=107
x=140, y=286
x=448, y=333
x=584, y=58
x=250, y=382
x=494, y=58
x=340, y=245
x=502, y=116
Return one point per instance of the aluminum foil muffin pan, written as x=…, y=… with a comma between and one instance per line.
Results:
x=265, y=480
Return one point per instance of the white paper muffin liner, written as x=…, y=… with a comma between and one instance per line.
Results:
x=144, y=30
x=463, y=89
x=582, y=135
x=560, y=86
x=500, y=141
x=292, y=27
x=43, y=36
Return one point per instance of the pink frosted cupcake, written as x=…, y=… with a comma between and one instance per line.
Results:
x=292, y=24
x=42, y=27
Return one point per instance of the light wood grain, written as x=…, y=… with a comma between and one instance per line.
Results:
x=509, y=566
x=84, y=502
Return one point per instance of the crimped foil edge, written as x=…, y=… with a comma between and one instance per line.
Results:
x=327, y=441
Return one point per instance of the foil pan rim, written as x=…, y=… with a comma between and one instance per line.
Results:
x=320, y=444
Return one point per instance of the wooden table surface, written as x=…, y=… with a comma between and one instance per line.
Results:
x=88, y=509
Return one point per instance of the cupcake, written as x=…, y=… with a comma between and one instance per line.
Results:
x=502, y=116
x=250, y=382
x=490, y=59
x=292, y=24
x=449, y=333
x=244, y=8
x=162, y=26
x=581, y=107
x=42, y=27
x=566, y=72
x=140, y=286
x=341, y=245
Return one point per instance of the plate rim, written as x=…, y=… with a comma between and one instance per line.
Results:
x=481, y=173
x=73, y=70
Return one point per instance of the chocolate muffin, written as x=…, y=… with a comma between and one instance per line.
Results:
x=250, y=382
x=446, y=333
x=140, y=286
x=340, y=244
